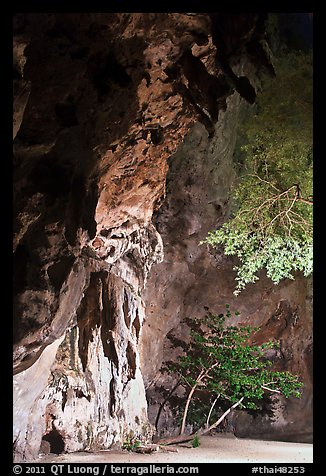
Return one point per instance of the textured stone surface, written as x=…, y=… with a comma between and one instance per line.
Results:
x=193, y=280
x=102, y=101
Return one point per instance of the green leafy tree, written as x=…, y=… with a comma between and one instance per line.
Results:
x=272, y=219
x=220, y=361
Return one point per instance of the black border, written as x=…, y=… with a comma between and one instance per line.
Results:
x=6, y=189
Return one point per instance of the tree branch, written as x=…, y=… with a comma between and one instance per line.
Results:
x=270, y=389
x=214, y=425
x=305, y=200
x=211, y=409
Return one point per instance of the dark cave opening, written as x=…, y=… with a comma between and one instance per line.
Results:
x=56, y=441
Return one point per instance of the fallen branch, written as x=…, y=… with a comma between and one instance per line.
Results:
x=202, y=431
x=176, y=440
x=168, y=449
x=146, y=449
x=151, y=448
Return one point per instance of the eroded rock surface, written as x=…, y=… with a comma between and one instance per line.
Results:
x=193, y=280
x=102, y=101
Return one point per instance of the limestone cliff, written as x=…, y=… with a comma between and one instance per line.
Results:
x=103, y=102
x=193, y=280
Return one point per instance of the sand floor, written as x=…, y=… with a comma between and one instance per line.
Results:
x=213, y=449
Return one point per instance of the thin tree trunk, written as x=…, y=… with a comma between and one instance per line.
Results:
x=211, y=409
x=199, y=379
x=183, y=424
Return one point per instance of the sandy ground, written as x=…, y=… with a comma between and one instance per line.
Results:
x=213, y=449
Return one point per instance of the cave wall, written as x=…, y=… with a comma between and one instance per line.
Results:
x=102, y=102
x=89, y=169
x=194, y=279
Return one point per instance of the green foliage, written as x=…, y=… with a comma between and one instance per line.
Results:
x=195, y=442
x=220, y=362
x=271, y=223
x=131, y=443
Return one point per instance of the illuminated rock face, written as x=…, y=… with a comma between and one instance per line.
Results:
x=102, y=103
x=193, y=280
